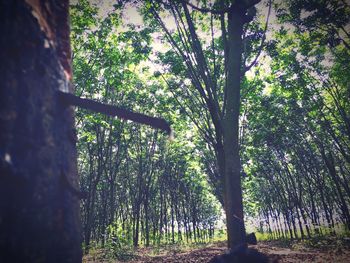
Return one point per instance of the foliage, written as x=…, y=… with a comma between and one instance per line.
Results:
x=141, y=188
x=294, y=124
x=296, y=150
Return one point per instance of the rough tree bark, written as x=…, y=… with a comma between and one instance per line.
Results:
x=39, y=208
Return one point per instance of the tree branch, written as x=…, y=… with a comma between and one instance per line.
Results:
x=208, y=10
x=247, y=68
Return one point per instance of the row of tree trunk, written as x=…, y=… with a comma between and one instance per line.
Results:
x=139, y=192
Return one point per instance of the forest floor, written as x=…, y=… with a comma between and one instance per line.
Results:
x=292, y=252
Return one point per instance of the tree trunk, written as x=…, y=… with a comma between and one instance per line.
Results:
x=232, y=180
x=39, y=207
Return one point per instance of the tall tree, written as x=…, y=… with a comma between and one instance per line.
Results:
x=213, y=91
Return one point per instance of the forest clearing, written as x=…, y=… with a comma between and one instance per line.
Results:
x=175, y=131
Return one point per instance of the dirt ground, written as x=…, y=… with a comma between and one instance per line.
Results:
x=329, y=254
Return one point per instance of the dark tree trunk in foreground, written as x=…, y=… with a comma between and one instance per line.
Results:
x=39, y=209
